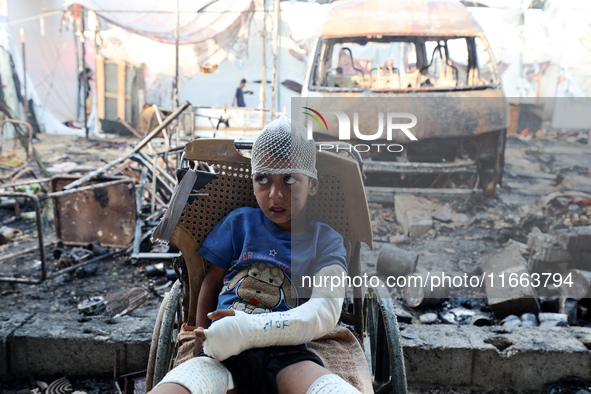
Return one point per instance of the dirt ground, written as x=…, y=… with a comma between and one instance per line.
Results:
x=533, y=169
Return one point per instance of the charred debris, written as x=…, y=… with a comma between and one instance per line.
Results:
x=62, y=228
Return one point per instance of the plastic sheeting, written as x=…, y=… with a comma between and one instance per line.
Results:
x=540, y=47
x=297, y=31
x=209, y=32
x=43, y=85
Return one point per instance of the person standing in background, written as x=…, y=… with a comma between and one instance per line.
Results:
x=239, y=95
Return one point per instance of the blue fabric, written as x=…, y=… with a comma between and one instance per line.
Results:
x=246, y=238
x=240, y=97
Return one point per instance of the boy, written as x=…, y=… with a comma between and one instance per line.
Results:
x=256, y=341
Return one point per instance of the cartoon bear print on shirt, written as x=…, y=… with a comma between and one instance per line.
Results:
x=261, y=287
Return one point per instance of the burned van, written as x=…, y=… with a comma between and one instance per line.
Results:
x=384, y=63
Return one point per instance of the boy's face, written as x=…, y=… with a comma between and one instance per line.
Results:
x=283, y=197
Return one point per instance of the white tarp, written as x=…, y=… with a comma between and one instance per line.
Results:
x=298, y=25
x=51, y=77
x=523, y=40
x=297, y=30
x=209, y=32
x=51, y=47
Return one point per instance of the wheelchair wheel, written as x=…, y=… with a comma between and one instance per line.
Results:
x=164, y=342
x=381, y=341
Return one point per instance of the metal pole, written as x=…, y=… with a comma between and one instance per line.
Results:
x=37, y=205
x=84, y=74
x=25, y=98
x=275, y=45
x=264, y=72
x=138, y=147
x=176, y=72
x=175, y=90
x=29, y=145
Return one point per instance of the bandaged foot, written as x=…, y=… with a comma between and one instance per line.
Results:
x=232, y=335
x=201, y=375
x=331, y=384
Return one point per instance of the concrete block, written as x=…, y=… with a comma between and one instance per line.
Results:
x=541, y=267
x=576, y=240
x=413, y=213
x=41, y=349
x=545, y=248
x=59, y=344
x=436, y=355
x=582, y=334
x=9, y=322
x=137, y=341
x=504, y=297
x=525, y=358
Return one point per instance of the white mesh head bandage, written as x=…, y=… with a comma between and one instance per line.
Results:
x=279, y=150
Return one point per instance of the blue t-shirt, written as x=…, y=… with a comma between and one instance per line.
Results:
x=240, y=97
x=263, y=275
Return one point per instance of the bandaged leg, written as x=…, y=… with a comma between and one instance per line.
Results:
x=201, y=375
x=331, y=384
x=232, y=335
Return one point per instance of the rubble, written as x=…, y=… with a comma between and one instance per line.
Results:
x=504, y=299
x=394, y=261
x=577, y=239
x=412, y=214
x=416, y=294
x=428, y=318
x=545, y=248
x=581, y=284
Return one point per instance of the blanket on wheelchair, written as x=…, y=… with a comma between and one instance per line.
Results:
x=339, y=350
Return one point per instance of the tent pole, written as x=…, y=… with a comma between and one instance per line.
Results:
x=176, y=72
x=25, y=98
x=275, y=44
x=264, y=68
x=84, y=73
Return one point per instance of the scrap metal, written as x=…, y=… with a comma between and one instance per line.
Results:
x=137, y=148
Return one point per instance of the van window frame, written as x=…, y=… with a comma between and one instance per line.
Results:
x=327, y=43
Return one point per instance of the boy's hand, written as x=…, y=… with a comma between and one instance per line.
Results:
x=200, y=331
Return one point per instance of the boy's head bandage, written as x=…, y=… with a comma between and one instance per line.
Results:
x=281, y=150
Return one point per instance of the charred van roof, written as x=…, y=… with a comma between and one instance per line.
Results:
x=354, y=18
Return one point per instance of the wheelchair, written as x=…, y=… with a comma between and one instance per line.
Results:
x=340, y=202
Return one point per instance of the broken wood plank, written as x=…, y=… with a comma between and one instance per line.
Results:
x=121, y=91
